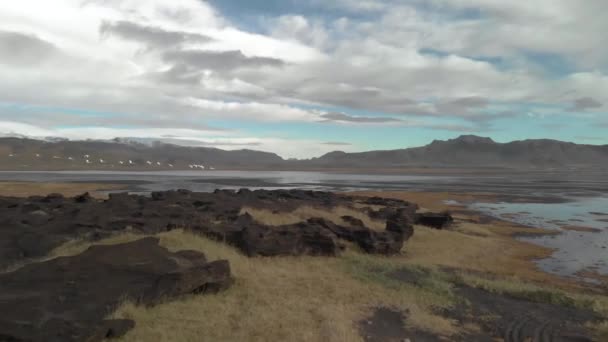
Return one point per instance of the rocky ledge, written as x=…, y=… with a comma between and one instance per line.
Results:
x=31, y=227
x=69, y=298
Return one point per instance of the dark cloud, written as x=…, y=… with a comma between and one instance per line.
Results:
x=22, y=49
x=462, y=106
x=336, y=143
x=332, y=117
x=453, y=128
x=191, y=142
x=219, y=60
x=585, y=103
x=150, y=35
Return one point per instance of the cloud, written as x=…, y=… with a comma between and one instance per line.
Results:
x=252, y=110
x=150, y=64
x=336, y=143
x=585, y=103
x=341, y=117
x=219, y=61
x=22, y=50
x=150, y=35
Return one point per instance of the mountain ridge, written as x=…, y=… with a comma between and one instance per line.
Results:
x=469, y=151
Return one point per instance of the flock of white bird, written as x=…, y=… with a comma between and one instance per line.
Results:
x=88, y=160
x=201, y=167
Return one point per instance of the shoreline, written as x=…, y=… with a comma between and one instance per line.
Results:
x=503, y=234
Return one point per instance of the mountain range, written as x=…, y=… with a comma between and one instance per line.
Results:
x=467, y=151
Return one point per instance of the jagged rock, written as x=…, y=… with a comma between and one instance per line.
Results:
x=25, y=232
x=434, y=220
x=84, y=198
x=67, y=299
x=386, y=242
x=54, y=197
x=400, y=222
x=303, y=238
x=354, y=222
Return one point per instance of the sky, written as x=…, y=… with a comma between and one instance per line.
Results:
x=303, y=78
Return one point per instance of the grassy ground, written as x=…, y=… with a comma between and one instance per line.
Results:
x=278, y=299
x=323, y=299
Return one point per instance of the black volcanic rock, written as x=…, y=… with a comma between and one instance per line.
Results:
x=306, y=238
x=31, y=227
x=68, y=298
x=434, y=220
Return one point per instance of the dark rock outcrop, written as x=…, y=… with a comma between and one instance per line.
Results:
x=31, y=227
x=434, y=220
x=69, y=298
x=306, y=238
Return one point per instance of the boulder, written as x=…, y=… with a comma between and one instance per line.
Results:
x=69, y=298
x=434, y=220
x=84, y=198
x=304, y=238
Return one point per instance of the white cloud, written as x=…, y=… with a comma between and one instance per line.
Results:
x=156, y=63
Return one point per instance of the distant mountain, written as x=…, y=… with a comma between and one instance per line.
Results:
x=467, y=151
x=29, y=154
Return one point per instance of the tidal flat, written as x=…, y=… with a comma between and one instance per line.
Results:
x=436, y=286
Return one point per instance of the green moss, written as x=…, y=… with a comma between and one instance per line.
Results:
x=381, y=270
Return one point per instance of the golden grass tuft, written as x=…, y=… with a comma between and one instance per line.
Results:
x=277, y=299
x=304, y=213
x=323, y=299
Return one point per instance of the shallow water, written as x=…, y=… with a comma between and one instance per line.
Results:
x=575, y=251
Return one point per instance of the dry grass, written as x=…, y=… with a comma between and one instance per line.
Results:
x=278, y=299
x=303, y=213
x=25, y=189
x=322, y=299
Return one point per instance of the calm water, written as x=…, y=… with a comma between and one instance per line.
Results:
x=554, y=199
x=574, y=250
